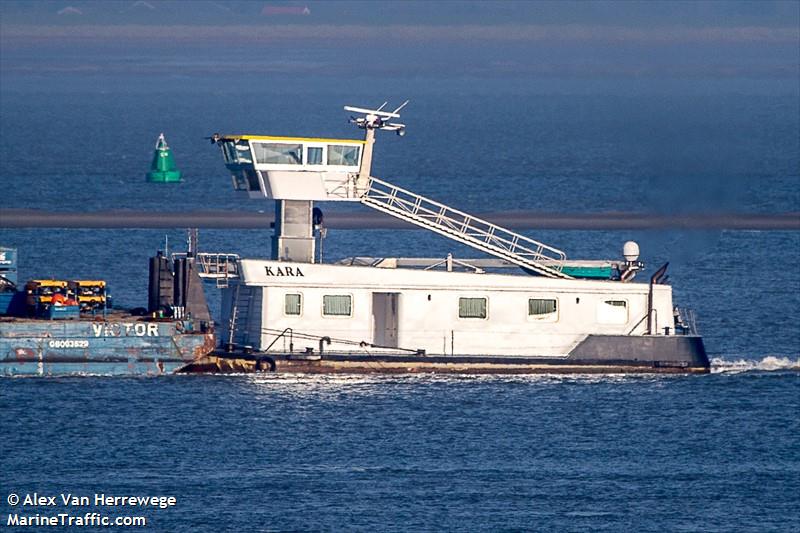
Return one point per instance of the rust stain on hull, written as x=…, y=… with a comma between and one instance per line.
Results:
x=209, y=342
x=224, y=365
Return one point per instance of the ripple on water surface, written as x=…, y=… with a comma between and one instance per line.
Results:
x=421, y=452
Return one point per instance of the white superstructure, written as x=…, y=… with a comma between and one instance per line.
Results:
x=291, y=304
x=364, y=309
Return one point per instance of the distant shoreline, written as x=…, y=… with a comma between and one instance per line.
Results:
x=124, y=218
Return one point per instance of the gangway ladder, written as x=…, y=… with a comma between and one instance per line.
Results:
x=464, y=228
x=439, y=218
x=241, y=308
x=234, y=313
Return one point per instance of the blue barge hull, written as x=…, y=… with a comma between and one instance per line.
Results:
x=115, y=345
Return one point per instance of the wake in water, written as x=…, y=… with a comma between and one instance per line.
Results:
x=767, y=364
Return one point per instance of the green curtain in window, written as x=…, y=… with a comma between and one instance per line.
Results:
x=472, y=307
x=292, y=304
x=538, y=306
x=338, y=305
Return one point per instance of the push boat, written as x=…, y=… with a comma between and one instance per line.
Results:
x=292, y=312
x=60, y=327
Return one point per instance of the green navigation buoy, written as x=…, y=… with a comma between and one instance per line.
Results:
x=162, y=169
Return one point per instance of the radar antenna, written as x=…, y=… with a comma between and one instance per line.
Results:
x=369, y=121
x=377, y=119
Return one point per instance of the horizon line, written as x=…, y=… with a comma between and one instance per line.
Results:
x=467, y=33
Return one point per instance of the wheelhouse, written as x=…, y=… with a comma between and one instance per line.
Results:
x=290, y=167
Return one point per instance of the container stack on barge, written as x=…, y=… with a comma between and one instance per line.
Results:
x=291, y=313
x=56, y=327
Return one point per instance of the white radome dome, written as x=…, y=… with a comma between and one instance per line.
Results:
x=630, y=250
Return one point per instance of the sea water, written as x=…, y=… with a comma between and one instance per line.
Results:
x=418, y=453
x=273, y=453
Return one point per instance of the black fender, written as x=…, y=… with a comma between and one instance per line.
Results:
x=265, y=362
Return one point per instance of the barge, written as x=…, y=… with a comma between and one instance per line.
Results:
x=291, y=312
x=56, y=332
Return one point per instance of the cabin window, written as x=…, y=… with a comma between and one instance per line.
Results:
x=337, y=305
x=314, y=155
x=278, y=153
x=229, y=152
x=243, y=152
x=542, y=308
x=343, y=155
x=292, y=304
x=472, y=308
x=612, y=312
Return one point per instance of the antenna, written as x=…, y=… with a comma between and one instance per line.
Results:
x=369, y=121
x=377, y=119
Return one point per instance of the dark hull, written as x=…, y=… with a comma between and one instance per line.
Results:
x=597, y=354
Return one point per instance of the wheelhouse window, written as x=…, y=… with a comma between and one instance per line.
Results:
x=243, y=152
x=337, y=305
x=314, y=155
x=278, y=153
x=229, y=152
x=472, y=308
x=542, y=308
x=343, y=155
x=292, y=305
x=612, y=312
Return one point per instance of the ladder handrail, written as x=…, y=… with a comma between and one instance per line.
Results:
x=465, y=228
x=468, y=218
x=234, y=312
x=282, y=334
